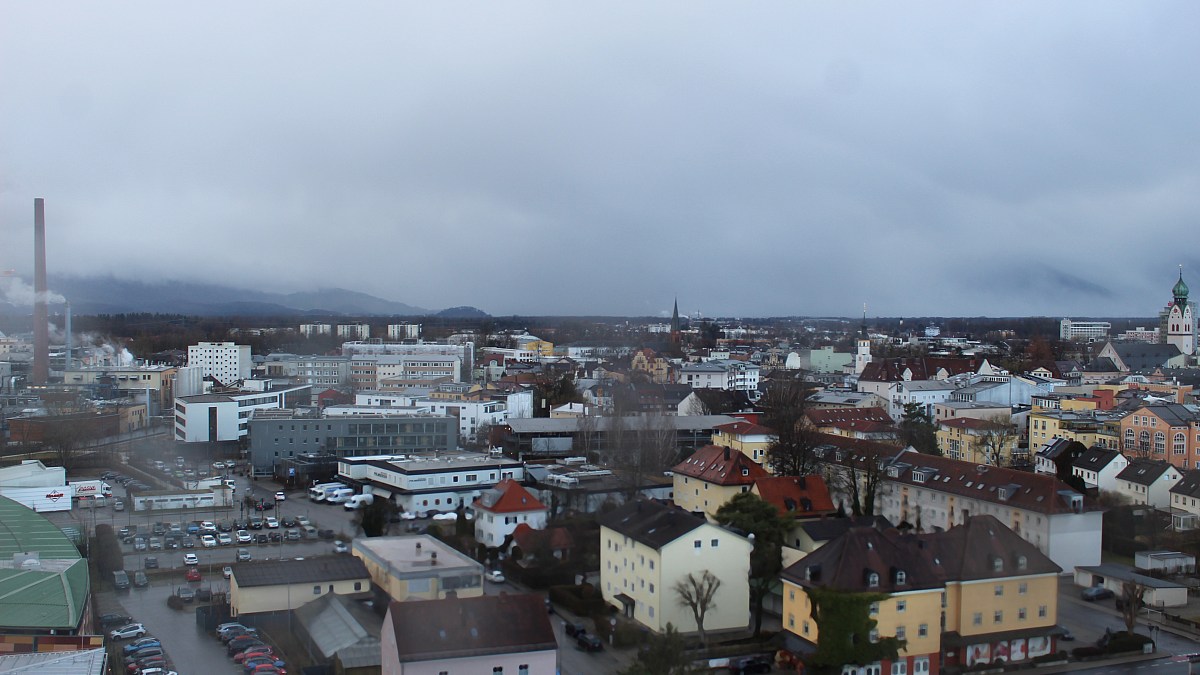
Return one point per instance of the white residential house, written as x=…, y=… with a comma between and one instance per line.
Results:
x=725, y=374
x=500, y=510
x=1099, y=467
x=647, y=547
x=1148, y=481
x=925, y=393
x=1185, y=502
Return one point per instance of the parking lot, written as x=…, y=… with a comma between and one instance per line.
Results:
x=191, y=649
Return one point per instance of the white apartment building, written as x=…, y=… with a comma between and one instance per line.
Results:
x=311, y=329
x=1086, y=330
x=430, y=483
x=403, y=331
x=226, y=416
x=225, y=362
x=354, y=331
x=724, y=374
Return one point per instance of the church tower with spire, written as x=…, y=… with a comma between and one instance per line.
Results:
x=1178, y=320
x=862, y=356
x=675, y=327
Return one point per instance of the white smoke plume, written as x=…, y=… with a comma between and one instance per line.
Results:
x=100, y=351
x=14, y=290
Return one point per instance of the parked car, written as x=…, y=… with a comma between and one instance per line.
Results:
x=139, y=579
x=120, y=580
x=261, y=538
x=243, y=555
x=589, y=643
x=241, y=643
x=191, y=559
x=256, y=523
x=1096, y=593
x=193, y=574
x=244, y=537
x=227, y=571
x=755, y=664
x=150, y=562
x=119, y=505
x=188, y=542
x=279, y=496
x=186, y=594
x=292, y=535
x=140, y=644
x=139, y=543
x=208, y=541
x=223, y=539
x=340, y=547
x=111, y=619
x=249, y=652
x=495, y=576
x=302, y=521
x=226, y=628
x=144, y=654
x=272, y=522
x=133, y=630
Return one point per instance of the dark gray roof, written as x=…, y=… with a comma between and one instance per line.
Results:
x=1145, y=355
x=651, y=523
x=427, y=630
x=1054, y=448
x=1095, y=458
x=570, y=425
x=1144, y=471
x=1102, y=365
x=826, y=529
x=1174, y=414
x=1189, y=485
x=310, y=570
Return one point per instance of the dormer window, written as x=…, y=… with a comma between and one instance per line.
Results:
x=997, y=564
x=901, y=577
x=1022, y=562
x=745, y=471
x=872, y=580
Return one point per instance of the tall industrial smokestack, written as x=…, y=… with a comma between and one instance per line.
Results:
x=41, y=317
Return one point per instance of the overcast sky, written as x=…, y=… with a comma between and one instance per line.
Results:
x=753, y=159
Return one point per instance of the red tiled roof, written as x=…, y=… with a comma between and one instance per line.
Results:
x=796, y=496
x=923, y=368
x=832, y=416
x=744, y=428
x=555, y=538
x=965, y=423
x=513, y=499
x=1019, y=489
x=721, y=466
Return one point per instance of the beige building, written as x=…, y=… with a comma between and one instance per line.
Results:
x=646, y=549
x=712, y=476
x=418, y=567
x=132, y=381
x=500, y=634
x=284, y=585
x=751, y=439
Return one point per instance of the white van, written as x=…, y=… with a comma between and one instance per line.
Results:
x=358, y=501
x=318, y=493
x=340, y=495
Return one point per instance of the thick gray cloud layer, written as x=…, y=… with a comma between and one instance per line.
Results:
x=600, y=158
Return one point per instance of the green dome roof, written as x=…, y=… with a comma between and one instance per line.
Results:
x=1180, y=290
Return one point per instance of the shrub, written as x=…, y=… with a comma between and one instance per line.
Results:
x=1086, y=652
x=1127, y=642
x=174, y=602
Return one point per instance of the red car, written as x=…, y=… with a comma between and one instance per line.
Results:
x=257, y=650
x=193, y=574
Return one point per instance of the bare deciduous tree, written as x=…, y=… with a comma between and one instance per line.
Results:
x=1131, y=602
x=698, y=595
x=784, y=406
x=995, y=441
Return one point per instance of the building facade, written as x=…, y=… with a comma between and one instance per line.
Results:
x=226, y=362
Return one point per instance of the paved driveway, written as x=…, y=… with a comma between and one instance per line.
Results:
x=190, y=648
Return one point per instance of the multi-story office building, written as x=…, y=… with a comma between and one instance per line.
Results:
x=287, y=434
x=354, y=331
x=315, y=329
x=226, y=362
x=1083, y=330
x=226, y=416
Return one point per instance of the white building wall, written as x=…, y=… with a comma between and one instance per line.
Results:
x=225, y=361
x=1075, y=539
x=492, y=528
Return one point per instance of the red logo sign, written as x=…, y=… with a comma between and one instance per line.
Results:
x=54, y=496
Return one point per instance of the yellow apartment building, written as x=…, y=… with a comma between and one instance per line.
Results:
x=711, y=477
x=996, y=591
x=284, y=585
x=752, y=440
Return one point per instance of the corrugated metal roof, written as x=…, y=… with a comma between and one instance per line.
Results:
x=83, y=662
x=280, y=572
x=25, y=531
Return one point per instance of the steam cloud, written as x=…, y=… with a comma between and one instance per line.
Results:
x=15, y=291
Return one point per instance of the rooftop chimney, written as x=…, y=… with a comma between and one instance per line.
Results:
x=41, y=332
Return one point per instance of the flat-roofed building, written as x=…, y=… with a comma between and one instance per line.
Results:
x=428, y=483
x=418, y=567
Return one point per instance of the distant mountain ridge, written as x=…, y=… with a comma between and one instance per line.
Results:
x=110, y=295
